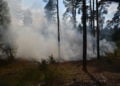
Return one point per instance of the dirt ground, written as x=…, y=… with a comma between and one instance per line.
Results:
x=104, y=72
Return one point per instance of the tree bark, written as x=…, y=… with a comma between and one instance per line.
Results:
x=84, y=35
x=93, y=18
x=98, y=31
x=58, y=25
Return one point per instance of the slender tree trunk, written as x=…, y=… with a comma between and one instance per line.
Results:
x=58, y=24
x=98, y=42
x=84, y=35
x=93, y=18
x=91, y=25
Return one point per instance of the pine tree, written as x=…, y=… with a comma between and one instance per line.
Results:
x=71, y=10
x=4, y=26
x=51, y=10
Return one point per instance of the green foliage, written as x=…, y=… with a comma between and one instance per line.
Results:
x=116, y=35
x=50, y=74
x=117, y=52
x=43, y=73
x=23, y=78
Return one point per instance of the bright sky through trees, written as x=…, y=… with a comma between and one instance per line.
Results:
x=38, y=4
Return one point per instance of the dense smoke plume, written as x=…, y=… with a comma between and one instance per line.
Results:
x=34, y=38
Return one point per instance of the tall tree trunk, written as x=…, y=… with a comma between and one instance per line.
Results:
x=93, y=24
x=58, y=24
x=84, y=35
x=91, y=17
x=98, y=32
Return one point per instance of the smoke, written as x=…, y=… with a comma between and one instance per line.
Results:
x=37, y=40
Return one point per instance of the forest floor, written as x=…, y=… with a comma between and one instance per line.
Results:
x=103, y=72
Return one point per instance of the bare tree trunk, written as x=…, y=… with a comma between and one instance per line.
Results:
x=93, y=17
x=98, y=32
x=84, y=35
x=58, y=24
x=91, y=25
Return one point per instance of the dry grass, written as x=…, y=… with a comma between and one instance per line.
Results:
x=25, y=73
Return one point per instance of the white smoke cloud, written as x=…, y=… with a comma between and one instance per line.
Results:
x=107, y=47
x=38, y=40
